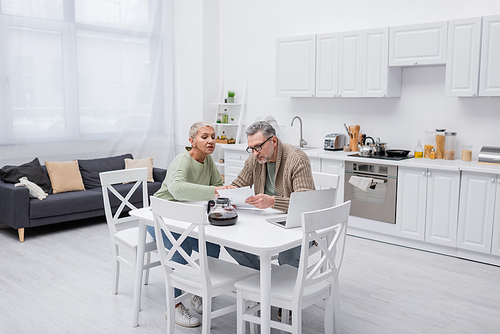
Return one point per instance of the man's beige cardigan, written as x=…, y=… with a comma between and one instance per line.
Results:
x=293, y=173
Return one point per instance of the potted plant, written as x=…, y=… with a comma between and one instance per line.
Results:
x=230, y=96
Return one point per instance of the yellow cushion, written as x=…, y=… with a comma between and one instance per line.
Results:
x=64, y=176
x=138, y=163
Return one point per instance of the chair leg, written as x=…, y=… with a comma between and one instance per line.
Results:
x=240, y=324
x=116, y=269
x=207, y=314
x=170, y=309
x=146, y=274
x=335, y=304
x=297, y=321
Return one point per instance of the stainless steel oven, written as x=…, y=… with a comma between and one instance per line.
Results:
x=379, y=201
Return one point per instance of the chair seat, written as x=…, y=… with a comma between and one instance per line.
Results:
x=130, y=238
x=222, y=273
x=283, y=279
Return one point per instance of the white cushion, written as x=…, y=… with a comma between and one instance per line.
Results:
x=35, y=190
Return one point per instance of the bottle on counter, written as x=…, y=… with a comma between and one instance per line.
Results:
x=432, y=155
x=225, y=117
x=219, y=117
x=419, y=151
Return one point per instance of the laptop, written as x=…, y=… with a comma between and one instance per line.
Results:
x=304, y=201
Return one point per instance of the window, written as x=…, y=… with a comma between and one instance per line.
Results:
x=79, y=69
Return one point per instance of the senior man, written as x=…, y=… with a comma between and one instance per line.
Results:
x=276, y=170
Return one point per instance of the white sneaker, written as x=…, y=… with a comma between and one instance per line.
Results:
x=184, y=318
x=197, y=301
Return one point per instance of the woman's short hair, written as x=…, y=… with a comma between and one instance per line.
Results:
x=263, y=126
x=193, y=131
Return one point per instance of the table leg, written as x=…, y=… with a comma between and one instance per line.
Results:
x=141, y=245
x=265, y=294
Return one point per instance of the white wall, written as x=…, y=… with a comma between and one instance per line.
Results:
x=248, y=30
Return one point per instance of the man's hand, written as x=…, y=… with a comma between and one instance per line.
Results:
x=223, y=188
x=261, y=201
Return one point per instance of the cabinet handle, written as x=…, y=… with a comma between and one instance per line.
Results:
x=415, y=63
x=341, y=165
x=428, y=173
x=423, y=173
x=473, y=94
x=492, y=179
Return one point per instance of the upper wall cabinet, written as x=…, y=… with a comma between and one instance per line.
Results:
x=295, y=66
x=327, y=63
x=414, y=45
x=355, y=64
x=489, y=84
x=462, y=65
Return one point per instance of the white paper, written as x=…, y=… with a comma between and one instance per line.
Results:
x=238, y=196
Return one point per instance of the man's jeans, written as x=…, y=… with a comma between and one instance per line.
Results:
x=291, y=257
x=188, y=245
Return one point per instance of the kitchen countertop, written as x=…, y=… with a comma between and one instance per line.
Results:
x=450, y=165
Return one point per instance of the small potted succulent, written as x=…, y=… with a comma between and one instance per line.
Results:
x=230, y=96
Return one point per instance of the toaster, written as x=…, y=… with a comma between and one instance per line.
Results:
x=334, y=142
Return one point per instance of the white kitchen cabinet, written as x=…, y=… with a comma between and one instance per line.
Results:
x=427, y=205
x=327, y=65
x=463, y=55
x=495, y=247
x=350, y=56
x=489, y=77
x=295, y=66
x=336, y=167
x=477, y=209
x=234, y=160
x=441, y=217
x=315, y=164
x=415, y=45
x=363, y=65
x=411, y=202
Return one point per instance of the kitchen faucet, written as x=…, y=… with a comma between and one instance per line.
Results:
x=302, y=141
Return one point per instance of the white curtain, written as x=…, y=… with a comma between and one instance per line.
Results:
x=85, y=79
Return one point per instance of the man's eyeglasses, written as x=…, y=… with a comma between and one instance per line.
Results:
x=257, y=148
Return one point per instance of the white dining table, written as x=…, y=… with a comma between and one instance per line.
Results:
x=251, y=233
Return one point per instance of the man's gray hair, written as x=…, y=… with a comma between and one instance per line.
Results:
x=193, y=131
x=263, y=126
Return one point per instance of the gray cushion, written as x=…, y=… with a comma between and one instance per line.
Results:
x=90, y=169
x=32, y=170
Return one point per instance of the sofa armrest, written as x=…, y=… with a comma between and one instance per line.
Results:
x=159, y=174
x=14, y=205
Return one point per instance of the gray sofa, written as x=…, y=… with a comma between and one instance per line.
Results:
x=19, y=211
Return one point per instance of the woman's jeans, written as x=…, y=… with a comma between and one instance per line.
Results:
x=188, y=245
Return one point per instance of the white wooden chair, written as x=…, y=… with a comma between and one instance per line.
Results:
x=324, y=180
x=298, y=288
x=206, y=276
x=123, y=229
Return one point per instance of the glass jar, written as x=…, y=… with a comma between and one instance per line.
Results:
x=429, y=143
x=419, y=151
x=440, y=140
x=466, y=152
x=449, y=145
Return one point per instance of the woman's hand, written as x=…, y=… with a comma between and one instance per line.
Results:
x=261, y=201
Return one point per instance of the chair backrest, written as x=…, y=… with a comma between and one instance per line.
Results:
x=326, y=180
x=113, y=188
x=181, y=218
x=328, y=228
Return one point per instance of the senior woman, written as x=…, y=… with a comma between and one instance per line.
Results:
x=192, y=176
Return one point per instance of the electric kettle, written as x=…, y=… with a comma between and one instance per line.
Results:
x=221, y=212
